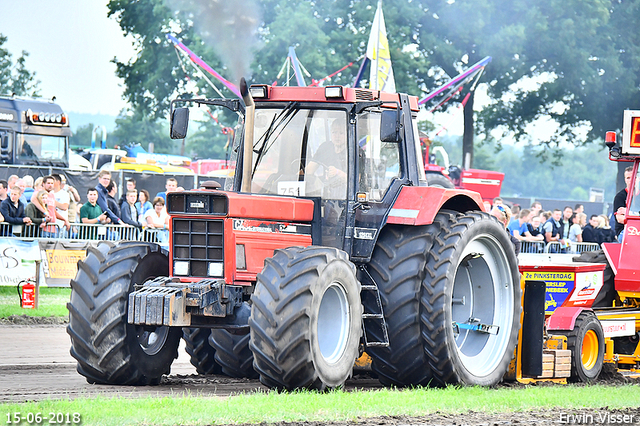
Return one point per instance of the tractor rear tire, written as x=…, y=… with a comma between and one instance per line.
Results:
x=201, y=352
x=306, y=317
x=232, y=353
x=586, y=343
x=108, y=349
x=397, y=267
x=438, y=180
x=472, y=278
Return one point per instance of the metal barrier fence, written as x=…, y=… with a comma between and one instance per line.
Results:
x=532, y=247
x=84, y=231
x=556, y=247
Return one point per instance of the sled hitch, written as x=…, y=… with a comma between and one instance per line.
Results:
x=167, y=301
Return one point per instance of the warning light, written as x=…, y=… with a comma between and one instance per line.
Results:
x=47, y=118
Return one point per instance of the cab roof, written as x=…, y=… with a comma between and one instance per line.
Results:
x=317, y=94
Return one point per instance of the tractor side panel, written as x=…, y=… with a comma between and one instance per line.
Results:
x=418, y=205
x=259, y=239
x=487, y=183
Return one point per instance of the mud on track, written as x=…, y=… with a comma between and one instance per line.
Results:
x=35, y=364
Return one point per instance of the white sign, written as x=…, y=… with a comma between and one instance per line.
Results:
x=618, y=328
x=292, y=188
x=588, y=285
x=17, y=261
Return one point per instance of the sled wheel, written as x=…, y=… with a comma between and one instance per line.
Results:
x=586, y=343
x=472, y=281
x=108, y=349
x=305, y=322
x=397, y=267
x=202, y=353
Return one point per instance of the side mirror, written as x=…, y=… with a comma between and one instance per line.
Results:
x=179, y=123
x=390, y=126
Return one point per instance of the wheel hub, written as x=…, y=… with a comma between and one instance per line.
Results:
x=333, y=323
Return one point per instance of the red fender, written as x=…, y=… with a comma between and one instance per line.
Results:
x=564, y=318
x=419, y=205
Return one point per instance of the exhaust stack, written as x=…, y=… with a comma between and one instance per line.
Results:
x=247, y=154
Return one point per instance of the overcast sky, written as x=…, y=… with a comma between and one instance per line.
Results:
x=70, y=45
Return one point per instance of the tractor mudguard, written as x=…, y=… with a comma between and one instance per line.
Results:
x=418, y=205
x=564, y=318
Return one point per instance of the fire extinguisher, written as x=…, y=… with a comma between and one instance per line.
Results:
x=27, y=294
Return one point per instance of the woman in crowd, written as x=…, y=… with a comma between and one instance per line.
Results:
x=575, y=230
x=604, y=233
x=143, y=205
x=34, y=210
x=503, y=214
x=158, y=220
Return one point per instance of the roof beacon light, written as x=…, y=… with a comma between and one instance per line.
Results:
x=47, y=118
x=610, y=139
x=333, y=92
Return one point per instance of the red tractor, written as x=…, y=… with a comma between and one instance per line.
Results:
x=326, y=242
x=440, y=172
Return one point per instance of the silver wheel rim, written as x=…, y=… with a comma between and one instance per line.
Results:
x=153, y=341
x=483, y=290
x=333, y=323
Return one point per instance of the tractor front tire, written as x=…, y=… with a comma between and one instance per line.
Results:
x=397, y=267
x=306, y=317
x=200, y=350
x=472, y=280
x=108, y=349
x=586, y=343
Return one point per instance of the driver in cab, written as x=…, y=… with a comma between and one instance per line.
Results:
x=332, y=155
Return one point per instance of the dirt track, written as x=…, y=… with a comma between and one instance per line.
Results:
x=35, y=364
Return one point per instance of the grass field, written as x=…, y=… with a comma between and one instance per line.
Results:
x=272, y=407
x=333, y=406
x=52, y=302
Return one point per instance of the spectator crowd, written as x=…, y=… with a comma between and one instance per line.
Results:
x=55, y=208
x=534, y=227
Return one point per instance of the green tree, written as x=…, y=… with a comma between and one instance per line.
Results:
x=132, y=127
x=570, y=41
x=14, y=77
x=81, y=138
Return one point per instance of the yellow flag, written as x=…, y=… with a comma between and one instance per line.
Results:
x=381, y=73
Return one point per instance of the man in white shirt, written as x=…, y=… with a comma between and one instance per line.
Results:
x=62, y=204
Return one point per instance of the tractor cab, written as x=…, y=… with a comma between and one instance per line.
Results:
x=348, y=155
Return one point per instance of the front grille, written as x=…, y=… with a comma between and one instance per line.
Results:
x=200, y=242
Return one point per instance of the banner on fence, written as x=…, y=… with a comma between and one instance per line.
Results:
x=60, y=259
x=17, y=261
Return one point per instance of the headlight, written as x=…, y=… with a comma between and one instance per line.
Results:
x=333, y=92
x=215, y=269
x=259, y=91
x=180, y=267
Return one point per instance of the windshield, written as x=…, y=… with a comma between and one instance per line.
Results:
x=40, y=149
x=300, y=152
